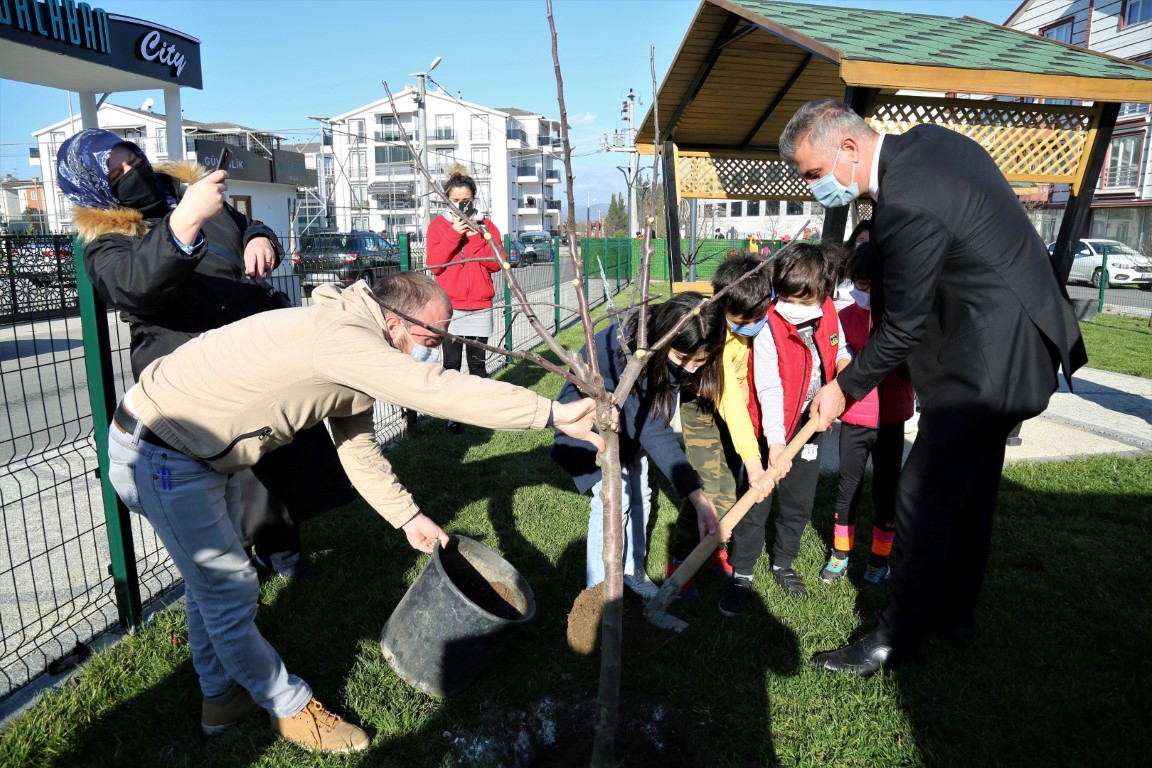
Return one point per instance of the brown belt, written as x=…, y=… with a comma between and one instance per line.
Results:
x=126, y=422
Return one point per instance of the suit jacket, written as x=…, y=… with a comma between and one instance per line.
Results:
x=969, y=296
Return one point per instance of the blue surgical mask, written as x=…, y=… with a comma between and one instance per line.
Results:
x=863, y=299
x=828, y=190
x=421, y=353
x=748, y=331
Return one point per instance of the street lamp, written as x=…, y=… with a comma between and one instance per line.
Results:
x=422, y=122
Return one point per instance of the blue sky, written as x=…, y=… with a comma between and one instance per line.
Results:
x=267, y=64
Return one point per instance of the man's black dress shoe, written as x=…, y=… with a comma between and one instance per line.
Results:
x=865, y=657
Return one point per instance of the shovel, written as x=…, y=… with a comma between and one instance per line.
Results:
x=657, y=609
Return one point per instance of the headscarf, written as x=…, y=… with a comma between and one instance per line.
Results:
x=82, y=168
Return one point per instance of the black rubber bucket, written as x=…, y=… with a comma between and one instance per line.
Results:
x=455, y=616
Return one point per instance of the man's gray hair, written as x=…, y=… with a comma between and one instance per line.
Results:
x=409, y=292
x=821, y=124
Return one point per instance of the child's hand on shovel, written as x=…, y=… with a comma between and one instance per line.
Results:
x=758, y=478
x=706, y=521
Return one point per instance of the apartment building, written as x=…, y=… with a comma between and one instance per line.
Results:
x=372, y=181
x=22, y=205
x=263, y=177
x=1122, y=202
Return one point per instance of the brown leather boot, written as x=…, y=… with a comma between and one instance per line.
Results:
x=318, y=730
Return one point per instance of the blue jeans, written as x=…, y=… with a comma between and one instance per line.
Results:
x=635, y=508
x=195, y=512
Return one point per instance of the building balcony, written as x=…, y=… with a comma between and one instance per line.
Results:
x=552, y=177
x=554, y=206
x=480, y=137
x=528, y=205
x=442, y=136
x=517, y=138
x=527, y=174
x=392, y=170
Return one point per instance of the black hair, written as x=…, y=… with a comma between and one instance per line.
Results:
x=749, y=297
x=807, y=271
x=704, y=331
x=863, y=263
x=458, y=177
x=865, y=225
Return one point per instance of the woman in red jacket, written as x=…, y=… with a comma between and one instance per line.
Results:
x=463, y=263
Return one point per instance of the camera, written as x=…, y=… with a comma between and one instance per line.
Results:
x=469, y=209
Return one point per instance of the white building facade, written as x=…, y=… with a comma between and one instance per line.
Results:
x=252, y=187
x=1122, y=202
x=373, y=183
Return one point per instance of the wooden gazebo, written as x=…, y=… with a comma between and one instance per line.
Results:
x=745, y=66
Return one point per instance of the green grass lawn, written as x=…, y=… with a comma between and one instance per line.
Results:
x=1120, y=344
x=1054, y=678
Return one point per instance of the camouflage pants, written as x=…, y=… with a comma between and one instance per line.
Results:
x=710, y=452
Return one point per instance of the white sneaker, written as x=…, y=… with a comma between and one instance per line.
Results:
x=641, y=585
x=913, y=424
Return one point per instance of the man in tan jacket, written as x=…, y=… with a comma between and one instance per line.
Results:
x=223, y=400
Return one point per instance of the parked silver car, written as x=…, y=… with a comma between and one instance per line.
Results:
x=1126, y=265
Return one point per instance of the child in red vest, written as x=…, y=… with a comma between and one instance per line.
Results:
x=798, y=353
x=872, y=426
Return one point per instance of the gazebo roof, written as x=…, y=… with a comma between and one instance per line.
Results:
x=745, y=66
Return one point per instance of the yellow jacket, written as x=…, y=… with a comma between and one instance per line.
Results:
x=733, y=404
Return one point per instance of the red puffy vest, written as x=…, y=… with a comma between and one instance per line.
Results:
x=795, y=363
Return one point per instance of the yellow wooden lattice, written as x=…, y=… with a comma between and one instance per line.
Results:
x=1029, y=142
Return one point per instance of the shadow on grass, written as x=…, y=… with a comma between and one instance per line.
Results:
x=1059, y=650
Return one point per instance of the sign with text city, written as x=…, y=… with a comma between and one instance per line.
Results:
x=81, y=31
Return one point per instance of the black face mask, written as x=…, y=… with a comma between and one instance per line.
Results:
x=139, y=190
x=677, y=372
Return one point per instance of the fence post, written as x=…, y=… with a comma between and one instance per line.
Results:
x=405, y=252
x=556, y=290
x=507, y=299
x=102, y=399
x=404, y=244
x=1103, y=280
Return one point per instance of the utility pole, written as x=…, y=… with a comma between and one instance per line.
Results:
x=627, y=143
x=422, y=126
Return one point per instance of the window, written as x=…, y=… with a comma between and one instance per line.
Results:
x=737, y=208
x=387, y=129
x=1123, y=163
x=393, y=155
x=357, y=166
x=1137, y=12
x=480, y=129
x=795, y=208
x=442, y=162
x=480, y=161
x=1061, y=32
x=444, y=130
x=753, y=207
x=1133, y=109
x=356, y=133
x=359, y=196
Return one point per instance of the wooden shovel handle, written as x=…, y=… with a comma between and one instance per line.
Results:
x=708, y=544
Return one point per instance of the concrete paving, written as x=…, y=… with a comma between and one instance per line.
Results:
x=1107, y=414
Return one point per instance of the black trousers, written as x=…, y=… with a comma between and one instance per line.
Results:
x=477, y=358
x=945, y=499
x=886, y=447
x=797, y=494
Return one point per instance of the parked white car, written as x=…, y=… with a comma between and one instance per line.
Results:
x=1126, y=265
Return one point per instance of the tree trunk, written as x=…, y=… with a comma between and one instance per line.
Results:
x=611, y=628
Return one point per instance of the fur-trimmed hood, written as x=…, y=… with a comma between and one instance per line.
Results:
x=91, y=223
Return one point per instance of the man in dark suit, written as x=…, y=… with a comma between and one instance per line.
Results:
x=970, y=300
